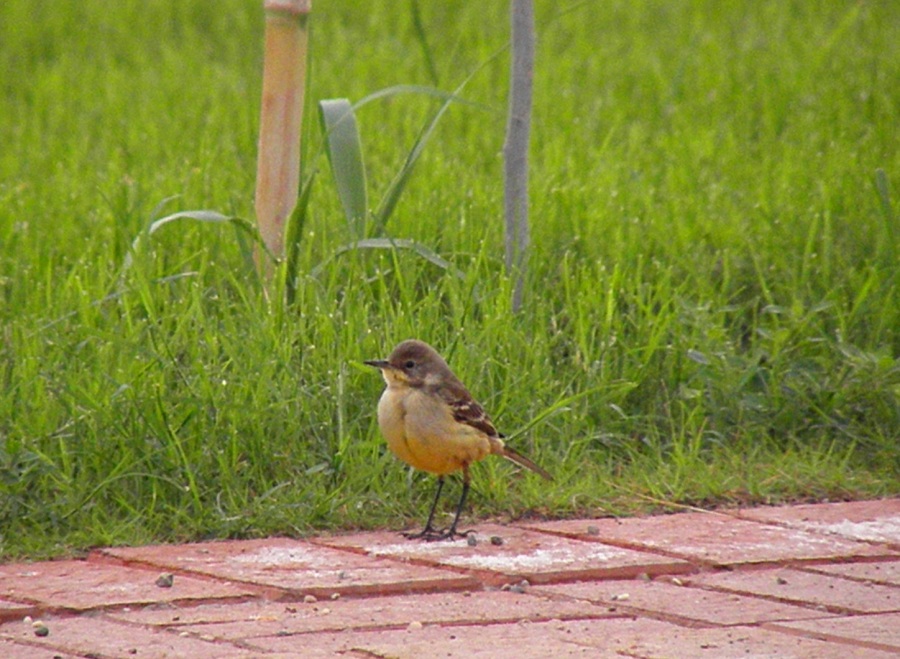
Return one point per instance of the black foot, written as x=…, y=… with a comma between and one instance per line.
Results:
x=432, y=535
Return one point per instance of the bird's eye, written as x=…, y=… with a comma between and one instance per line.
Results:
x=409, y=364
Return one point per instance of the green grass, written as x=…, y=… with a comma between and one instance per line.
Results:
x=713, y=292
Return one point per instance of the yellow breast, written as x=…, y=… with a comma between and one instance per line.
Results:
x=421, y=431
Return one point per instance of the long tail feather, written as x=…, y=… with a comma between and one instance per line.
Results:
x=520, y=459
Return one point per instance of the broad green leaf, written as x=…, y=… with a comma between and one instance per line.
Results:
x=345, y=158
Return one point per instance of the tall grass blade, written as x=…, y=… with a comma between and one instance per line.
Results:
x=422, y=38
x=424, y=90
x=292, y=240
x=890, y=219
x=395, y=189
x=205, y=216
x=561, y=405
x=392, y=243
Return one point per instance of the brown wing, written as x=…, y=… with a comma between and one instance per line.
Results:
x=473, y=414
x=465, y=408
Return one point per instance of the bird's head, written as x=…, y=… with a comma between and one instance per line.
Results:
x=413, y=363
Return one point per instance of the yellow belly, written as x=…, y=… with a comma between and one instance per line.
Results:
x=421, y=431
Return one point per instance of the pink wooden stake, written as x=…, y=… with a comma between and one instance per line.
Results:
x=278, y=162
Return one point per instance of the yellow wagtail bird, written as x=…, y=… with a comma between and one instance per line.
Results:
x=431, y=421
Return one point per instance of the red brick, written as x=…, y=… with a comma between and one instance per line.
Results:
x=81, y=585
x=577, y=638
x=743, y=642
x=98, y=637
x=11, y=650
x=874, y=521
x=523, y=554
x=499, y=641
x=879, y=631
x=714, y=539
x=680, y=604
x=14, y=610
x=887, y=572
x=293, y=565
x=804, y=607
x=253, y=619
x=806, y=588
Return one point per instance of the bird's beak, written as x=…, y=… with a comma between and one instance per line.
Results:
x=378, y=363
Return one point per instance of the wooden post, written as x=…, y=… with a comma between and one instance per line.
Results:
x=515, y=150
x=284, y=78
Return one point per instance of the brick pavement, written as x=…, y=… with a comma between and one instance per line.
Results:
x=795, y=581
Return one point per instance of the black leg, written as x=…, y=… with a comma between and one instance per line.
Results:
x=451, y=533
x=428, y=532
x=459, y=508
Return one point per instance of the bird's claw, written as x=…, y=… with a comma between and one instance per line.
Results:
x=429, y=534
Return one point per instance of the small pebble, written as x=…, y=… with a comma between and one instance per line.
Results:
x=165, y=580
x=517, y=588
x=496, y=540
x=676, y=581
x=335, y=596
x=621, y=597
x=593, y=530
x=310, y=599
x=40, y=629
x=415, y=625
x=781, y=581
x=28, y=620
x=471, y=540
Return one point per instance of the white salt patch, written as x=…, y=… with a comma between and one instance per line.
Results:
x=275, y=556
x=536, y=560
x=801, y=540
x=886, y=529
x=407, y=549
